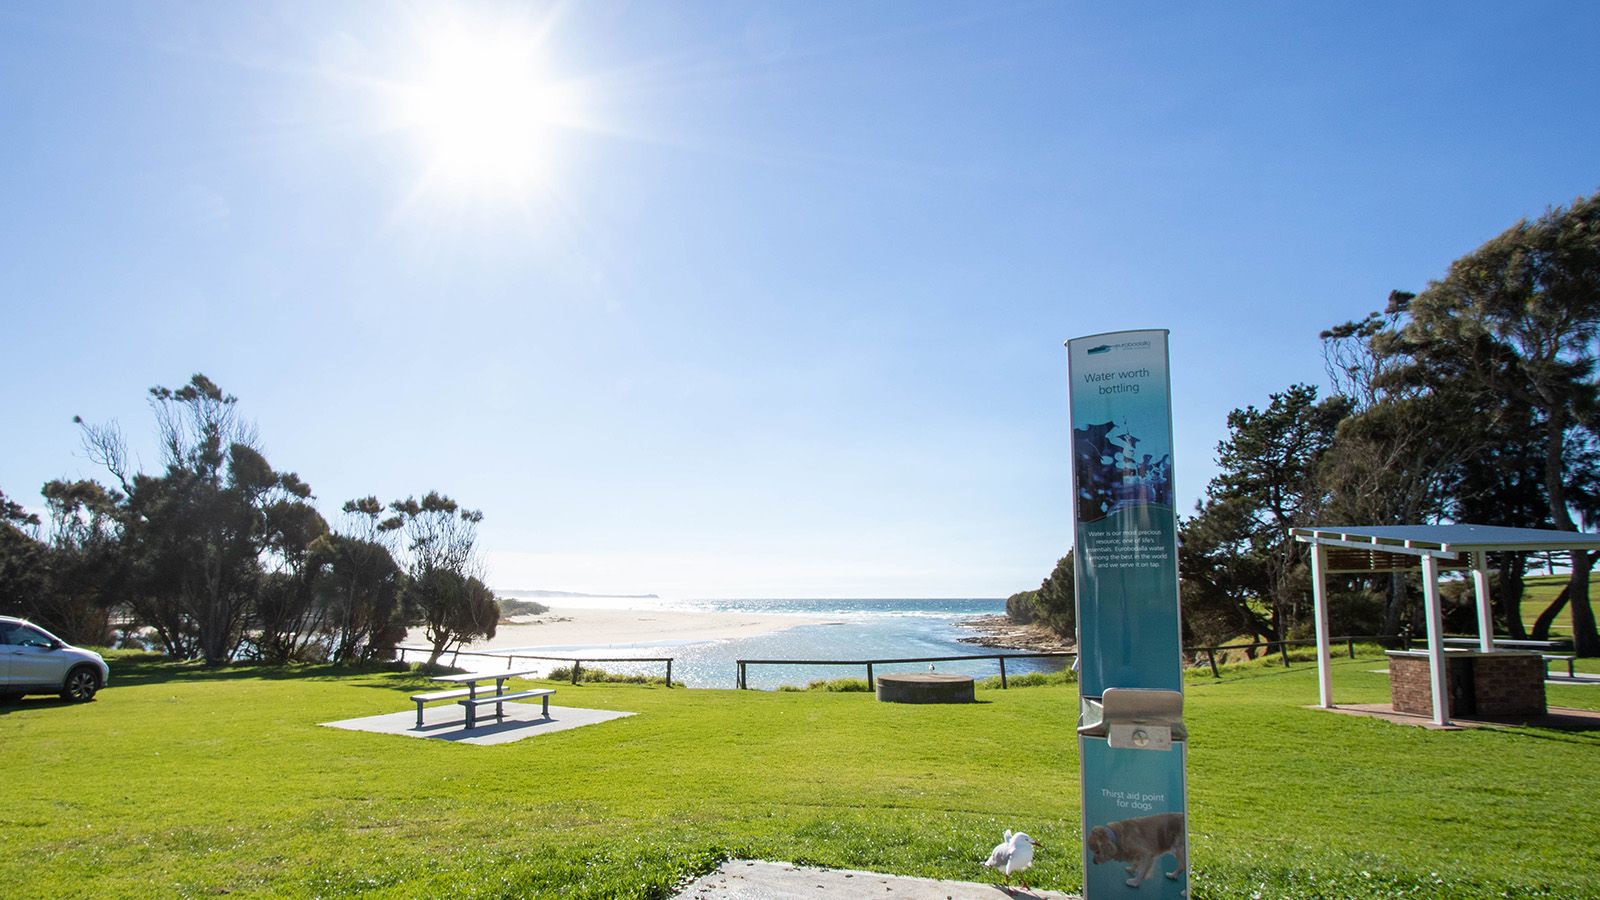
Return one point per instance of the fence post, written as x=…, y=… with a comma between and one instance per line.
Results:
x=1211, y=653
x=1002, y=672
x=1283, y=649
x=738, y=679
x=871, y=685
x=1352, y=648
x=575, y=671
x=669, y=674
x=509, y=661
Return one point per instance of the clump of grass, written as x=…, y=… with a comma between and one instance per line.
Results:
x=1030, y=679
x=834, y=686
x=132, y=655
x=431, y=669
x=601, y=676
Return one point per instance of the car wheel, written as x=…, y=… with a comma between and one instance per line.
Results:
x=81, y=684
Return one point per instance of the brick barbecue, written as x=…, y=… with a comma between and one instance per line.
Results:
x=1503, y=683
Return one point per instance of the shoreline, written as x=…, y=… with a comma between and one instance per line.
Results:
x=567, y=627
x=1001, y=633
x=576, y=630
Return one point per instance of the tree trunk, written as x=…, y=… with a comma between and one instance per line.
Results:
x=1541, y=625
x=1585, y=640
x=1395, y=606
x=1507, y=593
x=440, y=639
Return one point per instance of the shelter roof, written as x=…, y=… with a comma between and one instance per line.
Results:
x=1377, y=548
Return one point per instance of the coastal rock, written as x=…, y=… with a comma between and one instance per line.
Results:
x=1002, y=633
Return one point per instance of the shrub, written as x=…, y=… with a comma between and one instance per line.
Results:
x=511, y=607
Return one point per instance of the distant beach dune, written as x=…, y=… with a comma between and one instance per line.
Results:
x=576, y=626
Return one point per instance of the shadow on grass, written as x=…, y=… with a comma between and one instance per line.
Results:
x=150, y=668
x=31, y=703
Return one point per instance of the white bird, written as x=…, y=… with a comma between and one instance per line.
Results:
x=1012, y=855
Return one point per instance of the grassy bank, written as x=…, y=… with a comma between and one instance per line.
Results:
x=180, y=781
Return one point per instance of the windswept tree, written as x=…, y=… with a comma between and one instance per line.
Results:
x=444, y=590
x=1518, y=319
x=1398, y=457
x=1223, y=581
x=362, y=585
x=290, y=621
x=1238, y=544
x=87, y=564
x=197, y=533
x=24, y=568
x=1053, y=604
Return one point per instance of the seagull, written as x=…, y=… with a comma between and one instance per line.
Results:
x=1012, y=855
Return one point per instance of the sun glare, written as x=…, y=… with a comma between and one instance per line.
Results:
x=482, y=110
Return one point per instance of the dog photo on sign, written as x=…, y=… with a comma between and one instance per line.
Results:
x=1140, y=843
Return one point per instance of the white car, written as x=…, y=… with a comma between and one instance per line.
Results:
x=34, y=661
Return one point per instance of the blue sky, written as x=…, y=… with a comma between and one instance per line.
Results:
x=771, y=302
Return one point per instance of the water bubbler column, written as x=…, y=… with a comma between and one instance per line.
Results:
x=1131, y=736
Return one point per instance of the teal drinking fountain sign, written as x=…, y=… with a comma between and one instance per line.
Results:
x=1131, y=735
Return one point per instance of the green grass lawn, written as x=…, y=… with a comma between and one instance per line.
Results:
x=1539, y=590
x=181, y=782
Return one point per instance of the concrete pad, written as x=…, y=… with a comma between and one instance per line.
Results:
x=1556, y=717
x=743, y=879
x=444, y=723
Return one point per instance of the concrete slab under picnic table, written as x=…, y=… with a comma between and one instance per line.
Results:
x=523, y=720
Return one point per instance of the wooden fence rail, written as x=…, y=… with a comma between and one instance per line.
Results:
x=1283, y=647
x=576, y=661
x=741, y=680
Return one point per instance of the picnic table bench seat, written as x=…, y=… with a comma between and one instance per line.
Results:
x=1560, y=657
x=472, y=703
x=434, y=696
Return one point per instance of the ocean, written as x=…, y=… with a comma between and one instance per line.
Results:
x=858, y=629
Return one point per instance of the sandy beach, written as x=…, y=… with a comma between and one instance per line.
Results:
x=571, y=626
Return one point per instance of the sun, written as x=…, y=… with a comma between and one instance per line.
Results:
x=483, y=113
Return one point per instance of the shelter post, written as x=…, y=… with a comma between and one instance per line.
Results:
x=1435, y=620
x=1480, y=585
x=1319, y=601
